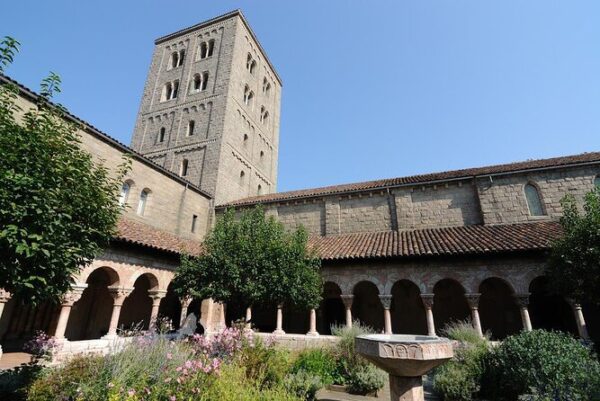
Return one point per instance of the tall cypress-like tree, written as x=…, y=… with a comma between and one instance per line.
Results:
x=58, y=207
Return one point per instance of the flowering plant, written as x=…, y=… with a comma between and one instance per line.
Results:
x=41, y=346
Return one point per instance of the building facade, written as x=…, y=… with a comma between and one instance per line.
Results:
x=403, y=255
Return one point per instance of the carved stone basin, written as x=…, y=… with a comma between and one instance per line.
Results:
x=405, y=358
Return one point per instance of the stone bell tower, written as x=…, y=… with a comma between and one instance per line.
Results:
x=210, y=109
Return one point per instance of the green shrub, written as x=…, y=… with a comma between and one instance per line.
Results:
x=80, y=378
x=266, y=364
x=14, y=382
x=303, y=384
x=459, y=379
x=365, y=379
x=545, y=365
x=463, y=331
x=317, y=362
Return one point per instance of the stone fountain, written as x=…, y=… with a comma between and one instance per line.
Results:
x=406, y=358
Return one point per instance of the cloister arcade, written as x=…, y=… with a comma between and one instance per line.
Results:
x=110, y=296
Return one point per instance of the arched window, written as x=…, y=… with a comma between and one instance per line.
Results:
x=264, y=115
x=124, y=195
x=248, y=96
x=167, y=91
x=181, y=58
x=266, y=86
x=206, y=49
x=161, y=134
x=597, y=181
x=259, y=190
x=534, y=202
x=200, y=82
x=175, y=89
x=250, y=63
x=184, y=168
x=143, y=201
x=245, y=139
x=262, y=154
x=190, y=127
x=174, y=60
x=242, y=175
x=211, y=47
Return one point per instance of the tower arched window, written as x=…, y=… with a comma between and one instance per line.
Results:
x=206, y=49
x=534, y=201
x=184, y=168
x=211, y=47
x=124, y=195
x=175, y=89
x=264, y=114
x=245, y=139
x=266, y=88
x=161, y=134
x=143, y=201
x=259, y=190
x=167, y=91
x=190, y=127
x=248, y=96
x=174, y=60
x=200, y=82
x=242, y=175
x=181, y=58
x=250, y=64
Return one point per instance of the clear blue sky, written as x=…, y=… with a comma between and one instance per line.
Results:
x=372, y=89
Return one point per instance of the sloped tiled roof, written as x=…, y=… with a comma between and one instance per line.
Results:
x=137, y=233
x=584, y=158
x=449, y=241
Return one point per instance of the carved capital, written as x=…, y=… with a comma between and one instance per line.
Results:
x=186, y=301
x=522, y=300
x=347, y=300
x=119, y=294
x=574, y=304
x=156, y=296
x=473, y=300
x=427, y=300
x=4, y=296
x=73, y=296
x=386, y=301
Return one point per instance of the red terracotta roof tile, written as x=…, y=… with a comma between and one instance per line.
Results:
x=465, y=240
x=591, y=157
x=134, y=232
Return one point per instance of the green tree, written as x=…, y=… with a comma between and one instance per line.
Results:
x=252, y=260
x=574, y=266
x=58, y=208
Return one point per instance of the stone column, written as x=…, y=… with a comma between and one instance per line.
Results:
x=312, y=331
x=523, y=301
x=347, y=300
x=386, y=301
x=4, y=298
x=473, y=301
x=156, y=296
x=185, y=304
x=66, y=304
x=579, y=319
x=428, y=303
x=279, y=329
x=248, y=318
x=118, y=295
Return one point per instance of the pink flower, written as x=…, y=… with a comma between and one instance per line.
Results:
x=172, y=398
x=131, y=393
x=169, y=356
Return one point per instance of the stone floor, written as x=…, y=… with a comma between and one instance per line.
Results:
x=13, y=359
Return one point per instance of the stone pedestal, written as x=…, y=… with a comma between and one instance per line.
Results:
x=406, y=388
x=406, y=358
x=312, y=331
x=279, y=328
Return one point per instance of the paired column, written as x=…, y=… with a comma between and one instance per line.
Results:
x=156, y=296
x=248, y=318
x=4, y=298
x=185, y=304
x=347, y=300
x=473, y=301
x=386, y=301
x=579, y=319
x=428, y=303
x=312, y=331
x=279, y=329
x=523, y=302
x=118, y=295
x=67, y=302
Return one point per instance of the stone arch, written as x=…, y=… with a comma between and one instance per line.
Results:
x=449, y=303
x=152, y=280
x=547, y=310
x=90, y=315
x=408, y=312
x=170, y=307
x=498, y=309
x=137, y=307
x=113, y=275
x=366, y=307
x=332, y=310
